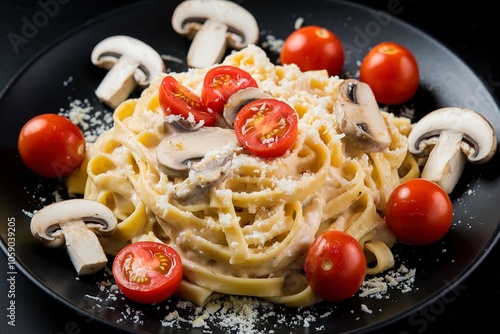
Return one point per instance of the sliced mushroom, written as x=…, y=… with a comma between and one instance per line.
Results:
x=213, y=25
x=452, y=136
x=360, y=118
x=76, y=223
x=203, y=175
x=177, y=123
x=177, y=152
x=239, y=99
x=130, y=62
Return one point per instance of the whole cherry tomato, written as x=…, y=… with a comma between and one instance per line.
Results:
x=51, y=145
x=147, y=272
x=176, y=99
x=313, y=48
x=419, y=212
x=335, y=265
x=391, y=70
x=220, y=83
x=266, y=127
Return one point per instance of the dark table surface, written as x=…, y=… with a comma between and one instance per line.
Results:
x=470, y=32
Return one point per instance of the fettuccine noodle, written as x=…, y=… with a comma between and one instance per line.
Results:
x=248, y=236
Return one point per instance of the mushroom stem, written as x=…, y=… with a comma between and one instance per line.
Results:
x=213, y=25
x=118, y=82
x=453, y=136
x=130, y=62
x=204, y=175
x=208, y=45
x=83, y=247
x=446, y=161
x=76, y=223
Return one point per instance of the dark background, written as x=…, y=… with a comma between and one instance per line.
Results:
x=471, y=32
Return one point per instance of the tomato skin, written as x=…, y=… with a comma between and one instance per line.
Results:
x=51, y=145
x=392, y=72
x=266, y=127
x=143, y=259
x=313, y=48
x=220, y=83
x=335, y=265
x=176, y=99
x=419, y=212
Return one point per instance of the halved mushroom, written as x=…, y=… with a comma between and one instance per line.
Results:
x=213, y=25
x=239, y=99
x=452, y=136
x=360, y=118
x=203, y=157
x=76, y=223
x=177, y=123
x=203, y=175
x=130, y=62
x=177, y=153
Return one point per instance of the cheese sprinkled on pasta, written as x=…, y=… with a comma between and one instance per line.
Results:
x=248, y=233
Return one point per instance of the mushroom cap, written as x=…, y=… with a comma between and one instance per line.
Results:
x=479, y=140
x=360, y=118
x=45, y=222
x=110, y=50
x=178, y=151
x=189, y=16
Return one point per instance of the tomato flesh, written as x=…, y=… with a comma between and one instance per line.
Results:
x=392, y=72
x=335, y=266
x=266, y=127
x=419, y=212
x=220, y=83
x=313, y=48
x=51, y=145
x=147, y=272
x=176, y=99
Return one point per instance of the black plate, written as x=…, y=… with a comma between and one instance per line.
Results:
x=64, y=73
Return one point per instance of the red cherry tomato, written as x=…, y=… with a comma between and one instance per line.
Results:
x=313, y=48
x=266, y=127
x=51, y=145
x=220, y=83
x=391, y=70
x=147, y=272
x=335, y=265
x=419, y=212
x=176, y=99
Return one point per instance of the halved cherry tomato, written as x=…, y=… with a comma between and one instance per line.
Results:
x=51, y=145
x=313, y=48
x=266, y=127
x=176, y=99
x=335, y=265
x=220, y=83
x=147, y=272
x=419, y=212
x=391, y=70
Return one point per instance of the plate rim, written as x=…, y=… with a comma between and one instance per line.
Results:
x=32, y=277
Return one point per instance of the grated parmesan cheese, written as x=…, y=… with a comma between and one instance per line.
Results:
x=244, y=315
x=92, y=122
x=230, y=313
x=365, y=308
x=377, y=287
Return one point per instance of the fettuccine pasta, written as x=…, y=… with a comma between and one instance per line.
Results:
x=249, y=233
